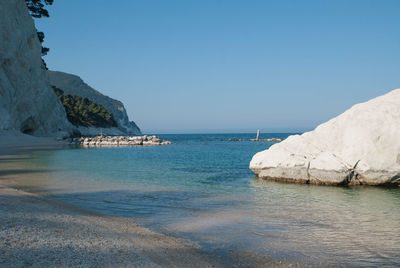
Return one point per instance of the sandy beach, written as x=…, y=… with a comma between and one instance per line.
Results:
x=36, y=231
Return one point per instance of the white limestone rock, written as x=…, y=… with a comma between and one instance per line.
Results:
x=27, y=102
x=112, y=141
x=360, y=146
x=74, y=85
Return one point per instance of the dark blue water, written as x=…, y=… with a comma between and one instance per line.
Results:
x=201, y=188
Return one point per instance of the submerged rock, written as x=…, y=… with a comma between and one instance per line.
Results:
x=360, y=146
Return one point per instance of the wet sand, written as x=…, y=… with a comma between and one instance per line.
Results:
x=36, y=231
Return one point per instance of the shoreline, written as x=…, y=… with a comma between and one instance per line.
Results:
x=43, y=232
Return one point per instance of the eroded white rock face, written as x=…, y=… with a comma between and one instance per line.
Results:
x=27, y=102
x=360, y=146
x=74, y=85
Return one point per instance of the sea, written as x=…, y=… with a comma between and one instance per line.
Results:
x=200, y=188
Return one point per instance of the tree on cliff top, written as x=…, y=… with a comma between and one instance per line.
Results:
x=37, y=10
x=36, y=7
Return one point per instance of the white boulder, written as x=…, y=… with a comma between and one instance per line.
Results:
x=360, y=146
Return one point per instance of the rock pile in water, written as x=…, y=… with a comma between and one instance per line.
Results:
x=119, y=141
x=270, y=139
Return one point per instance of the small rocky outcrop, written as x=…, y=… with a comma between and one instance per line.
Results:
x=74, y=85
x=27, y=102
x=269, y=139
x=360, y=146
x=115, y=141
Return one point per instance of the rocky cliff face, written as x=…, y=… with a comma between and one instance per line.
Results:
x=360, y=146
x=74, y=85
x=27, y=102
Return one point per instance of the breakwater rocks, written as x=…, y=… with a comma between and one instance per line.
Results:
x=111, y=141
x=271, y=139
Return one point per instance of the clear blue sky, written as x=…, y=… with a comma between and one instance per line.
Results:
x=227, y=66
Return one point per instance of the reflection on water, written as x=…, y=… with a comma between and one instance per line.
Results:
x=349, y=223
x=207, y=193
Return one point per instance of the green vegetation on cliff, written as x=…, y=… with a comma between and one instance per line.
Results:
x=83, y=112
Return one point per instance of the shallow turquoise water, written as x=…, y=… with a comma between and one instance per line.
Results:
x=201, y=188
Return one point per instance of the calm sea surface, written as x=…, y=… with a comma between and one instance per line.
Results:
x=201, y=188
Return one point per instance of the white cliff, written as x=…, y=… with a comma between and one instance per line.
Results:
x=360, y=146
x=27, y=101
x=74, y=85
